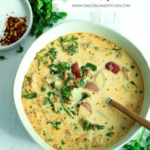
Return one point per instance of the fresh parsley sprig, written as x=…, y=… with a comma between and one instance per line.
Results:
x=43, y=16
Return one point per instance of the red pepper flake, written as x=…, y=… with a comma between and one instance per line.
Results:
x=15, y=29
x=67, y=102
x=6, y=14
x=13, y=12
x=104, y=106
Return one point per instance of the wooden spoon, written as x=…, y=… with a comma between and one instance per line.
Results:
x=142, y=121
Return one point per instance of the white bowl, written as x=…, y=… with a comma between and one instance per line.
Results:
x=21, y=8
x=80, y=26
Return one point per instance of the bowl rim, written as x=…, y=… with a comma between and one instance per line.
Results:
x=7, y=47
x=89, y=22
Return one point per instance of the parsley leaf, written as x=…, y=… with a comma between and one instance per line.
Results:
x=20, y=49
x=148, y=141
x=2, y=58
x=55, y=124
x=71, y=49
x=136, y=144
x=72, y=39
x=43, y=16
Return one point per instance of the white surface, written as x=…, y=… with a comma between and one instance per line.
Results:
x=13, y=136
x=80, y=26
x=14, y=8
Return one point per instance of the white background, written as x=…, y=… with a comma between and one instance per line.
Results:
x=13, y=136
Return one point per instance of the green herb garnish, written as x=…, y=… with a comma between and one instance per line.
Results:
x=122, y=127
x=20, y=49
x=28, y=78
x=67, y=110
x=125, y=88
x=39, y=64
x=52, y=53
x=59, y=148
x=2, y=58
x=132, y=82
x=91, y=66
x=54, y=69
x=49, y=140
x=52, y=85
x=84, y=96
x=55, y=124
x=43, y=89
x=89, y=126
x=64, y=66
x=52, y=43
x=71, y=49
x=96, y=47
x=136, y=74
x=66, y=91
x=116, y=49
x=49, y=102
x=30, y=96
x=72, y=39
x=109, y=133
x=45, y=63
x=63, y=143
x=136, y=144
x=43, y=16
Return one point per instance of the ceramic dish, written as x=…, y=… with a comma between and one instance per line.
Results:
x=88, y=27
x=21, y=8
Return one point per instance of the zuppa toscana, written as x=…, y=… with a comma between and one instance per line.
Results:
x=65, y=89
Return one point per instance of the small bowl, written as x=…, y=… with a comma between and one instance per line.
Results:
x=15, y=8
x=88, y=27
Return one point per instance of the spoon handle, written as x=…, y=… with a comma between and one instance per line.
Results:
x=142, y=121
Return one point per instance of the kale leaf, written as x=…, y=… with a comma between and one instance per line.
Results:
x=28, y=78
x=84, y=96
x=109, y=133
x=30, y=96
x=43, y=89
x=91, y=66
x=89, y=126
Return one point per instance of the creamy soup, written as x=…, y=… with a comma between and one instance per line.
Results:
x=66, y=87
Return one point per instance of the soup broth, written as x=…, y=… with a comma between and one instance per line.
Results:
x=66, y=87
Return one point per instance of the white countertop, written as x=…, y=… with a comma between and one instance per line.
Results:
x=13, y=136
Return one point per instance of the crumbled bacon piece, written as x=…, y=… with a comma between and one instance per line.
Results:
x=15, y=29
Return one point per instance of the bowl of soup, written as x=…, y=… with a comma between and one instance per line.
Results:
x=63, y=83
